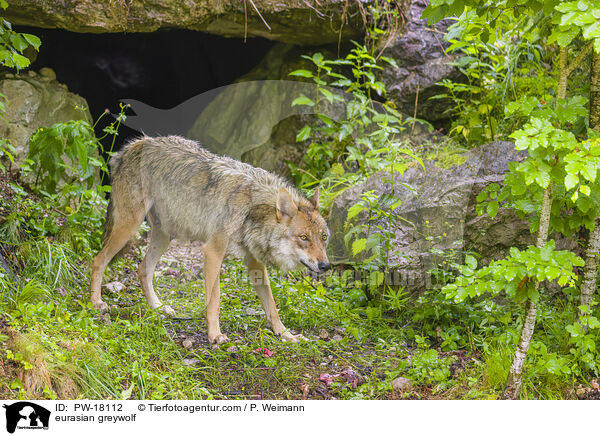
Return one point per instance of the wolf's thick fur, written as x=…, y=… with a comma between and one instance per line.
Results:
x=189, y=193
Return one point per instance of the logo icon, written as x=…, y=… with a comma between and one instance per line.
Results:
x=26, y=415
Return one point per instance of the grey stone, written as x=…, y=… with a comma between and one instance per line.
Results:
x=401, y=384
x=187, y=344
x=36, y=101
x=114, y=286
x=294, y=21
x=436, y=220
x=419, y=51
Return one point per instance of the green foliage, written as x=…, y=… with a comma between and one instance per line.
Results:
x=67, y=202
x=516, y=275
x=74, y=140
x=555, y=155
x=569, y=19
x=7, y=151
x=501, y=63
x=576, y=18
x=428, y=366
x=14, y=44
x=364, y=139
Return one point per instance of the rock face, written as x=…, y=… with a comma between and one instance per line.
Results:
x=437, y=218
x=305, y=22
x=34, y=101
x=419, y=53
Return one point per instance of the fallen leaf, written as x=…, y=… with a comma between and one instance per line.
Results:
x=265, y=351
x=326, y=378
x=353, y=377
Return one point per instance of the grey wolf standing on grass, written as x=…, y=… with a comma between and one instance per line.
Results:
x=233, y=208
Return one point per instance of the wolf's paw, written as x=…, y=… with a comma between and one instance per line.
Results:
x=289, y=337
x=100, y=305
x=218, y=339
x=168, y=310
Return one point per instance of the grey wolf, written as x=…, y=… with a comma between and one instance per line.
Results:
x=186, y=192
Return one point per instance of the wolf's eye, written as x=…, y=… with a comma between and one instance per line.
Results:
x=303, y=237
x=324, y=237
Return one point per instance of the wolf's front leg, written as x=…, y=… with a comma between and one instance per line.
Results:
x=260, y=281
x=214, y=252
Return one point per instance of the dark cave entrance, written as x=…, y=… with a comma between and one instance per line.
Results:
x=161, y=69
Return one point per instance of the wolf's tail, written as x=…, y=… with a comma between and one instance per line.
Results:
x=115, y=164
x=109, y=223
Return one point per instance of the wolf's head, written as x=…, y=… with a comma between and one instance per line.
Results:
x=292, y=236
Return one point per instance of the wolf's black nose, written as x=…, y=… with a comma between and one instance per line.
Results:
x=324, y=266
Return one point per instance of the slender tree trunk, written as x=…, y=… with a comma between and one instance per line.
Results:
x=564, y=75
x=595, y=92
x=513, y=383
x=590, y=272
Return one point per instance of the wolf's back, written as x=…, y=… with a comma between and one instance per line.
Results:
x=192, y=192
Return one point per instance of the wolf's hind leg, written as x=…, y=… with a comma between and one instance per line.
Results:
x=119, y=233
x=259, y=279
x=159, y=241
x=214, y=252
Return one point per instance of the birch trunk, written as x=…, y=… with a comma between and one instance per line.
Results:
x=515, y=376
x=595, y=92
x=590, y=272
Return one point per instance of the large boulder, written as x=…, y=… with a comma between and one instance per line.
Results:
x=436, y=221
x=34, y=101
x=419, y=51
x=305, y=22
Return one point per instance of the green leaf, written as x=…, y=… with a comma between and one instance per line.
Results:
x=471, y=261
x=327, y=94
x=358, y=246
x=585, y=190
x=301, y=73
x=492, y=208
x=303, y=134
x=82, y=155
x=545, y=253
x=354, y=210
x=571, y=180
x=32, y=40
x=18, y=42
x=563, y=35
x=20, y=61
x=303, y=101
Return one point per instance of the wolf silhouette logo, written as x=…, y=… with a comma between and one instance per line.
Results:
x=24, y=414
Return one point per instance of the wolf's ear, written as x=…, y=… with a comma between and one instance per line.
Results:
x=315, y=199
x=285, y=205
